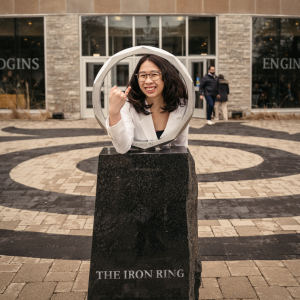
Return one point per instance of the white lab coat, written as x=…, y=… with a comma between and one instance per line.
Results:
x=140, y=127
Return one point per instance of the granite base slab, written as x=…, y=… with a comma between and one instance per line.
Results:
x=145, y=227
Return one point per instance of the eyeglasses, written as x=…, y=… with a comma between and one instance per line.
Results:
x=153, y=76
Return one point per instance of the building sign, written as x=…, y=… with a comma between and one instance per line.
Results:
x=22, y=63
x=283, y=63
x=275, y=63
x=19, y=63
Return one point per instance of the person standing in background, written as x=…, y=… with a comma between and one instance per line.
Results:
x=224, y=91
x=209, y=87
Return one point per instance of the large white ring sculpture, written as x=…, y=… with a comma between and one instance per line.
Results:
x=146, y=50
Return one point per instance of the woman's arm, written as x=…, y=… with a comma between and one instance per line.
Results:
x=119, y=123
x=122, y=133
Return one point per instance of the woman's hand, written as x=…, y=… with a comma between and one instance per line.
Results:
x=116, y=101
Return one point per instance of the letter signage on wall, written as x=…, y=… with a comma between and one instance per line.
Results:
x=19, y=63
x=283, y=63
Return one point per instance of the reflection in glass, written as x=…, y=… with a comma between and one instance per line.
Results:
x=197, y=72
x=198, y=101
x=89, y=99
x=210, y=63
x=173, y=35
x=120, y=33
x=22, y=74
x=146, y=31
x=120, y=74
x=93, y=36
x=92, y=70
x=202, y=36
x=276, y=63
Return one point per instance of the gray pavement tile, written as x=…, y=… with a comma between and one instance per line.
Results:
x=37, y=291
x=5, y=279
x=65, y=266
x=9, y=268
x=14, y=289
x=236, y=287
x=257, y=281
x=8, y=297
x=214, y=269
x=64, y=287
x=210, y=293
x=277, y=276
x=60, y=276
x=293, y=266
x=294, y=291
x=9, y=225
x=69, y=296
x=32, y=272
x=81, y=282
x=273, y=293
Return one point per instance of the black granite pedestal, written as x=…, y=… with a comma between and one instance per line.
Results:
x=145, y=228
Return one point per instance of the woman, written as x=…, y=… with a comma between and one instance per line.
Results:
x=150, y=108
x=224, y=91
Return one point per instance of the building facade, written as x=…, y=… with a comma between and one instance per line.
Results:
x=51, y=51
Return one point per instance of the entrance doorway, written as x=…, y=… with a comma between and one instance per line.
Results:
x=119, y=75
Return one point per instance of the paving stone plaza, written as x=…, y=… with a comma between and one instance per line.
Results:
x=248, y=207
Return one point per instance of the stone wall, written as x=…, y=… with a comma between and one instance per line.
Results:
x=63, y=65
x=234, y=37
x=263, y=7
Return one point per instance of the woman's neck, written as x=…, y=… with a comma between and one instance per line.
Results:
x=157, y=103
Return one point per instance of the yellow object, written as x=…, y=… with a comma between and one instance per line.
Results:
x=12, y=101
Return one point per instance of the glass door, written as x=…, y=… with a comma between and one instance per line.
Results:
x=118, y=75
x=197, y=69
x=90, y=69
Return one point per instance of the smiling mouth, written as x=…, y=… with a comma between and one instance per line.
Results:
x=150, y=88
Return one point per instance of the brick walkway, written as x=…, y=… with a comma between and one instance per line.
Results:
x=249, y=207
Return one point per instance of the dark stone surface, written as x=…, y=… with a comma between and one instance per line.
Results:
x=145, y=220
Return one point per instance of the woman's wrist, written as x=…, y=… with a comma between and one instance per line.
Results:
x=114, y=118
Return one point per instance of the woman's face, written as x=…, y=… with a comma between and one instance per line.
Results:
x=152, y=88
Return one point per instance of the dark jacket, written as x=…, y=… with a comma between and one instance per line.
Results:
x=224, y=90
x=209, y=85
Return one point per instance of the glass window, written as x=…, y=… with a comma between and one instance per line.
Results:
x=22, y=71
x=92, y=69
x=120, y=74
x=147, y=31
x=120, y=33
x=89, y=99
x=276, y=63
x=173, y=35
x=202, y=36
x=210, y=63
x=93, y=36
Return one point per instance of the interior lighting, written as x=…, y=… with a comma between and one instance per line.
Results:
x=267, y=24
x=25, y=40
x=97, y=45
x=96, y=54
x=204, y=43
x=179, y=18
x=39, y=43
x=118, y=18
x=203, y=53
x=296, y=23
x=271, y=39
x=29, y=23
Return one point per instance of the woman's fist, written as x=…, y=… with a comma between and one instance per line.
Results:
x=117, y=100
